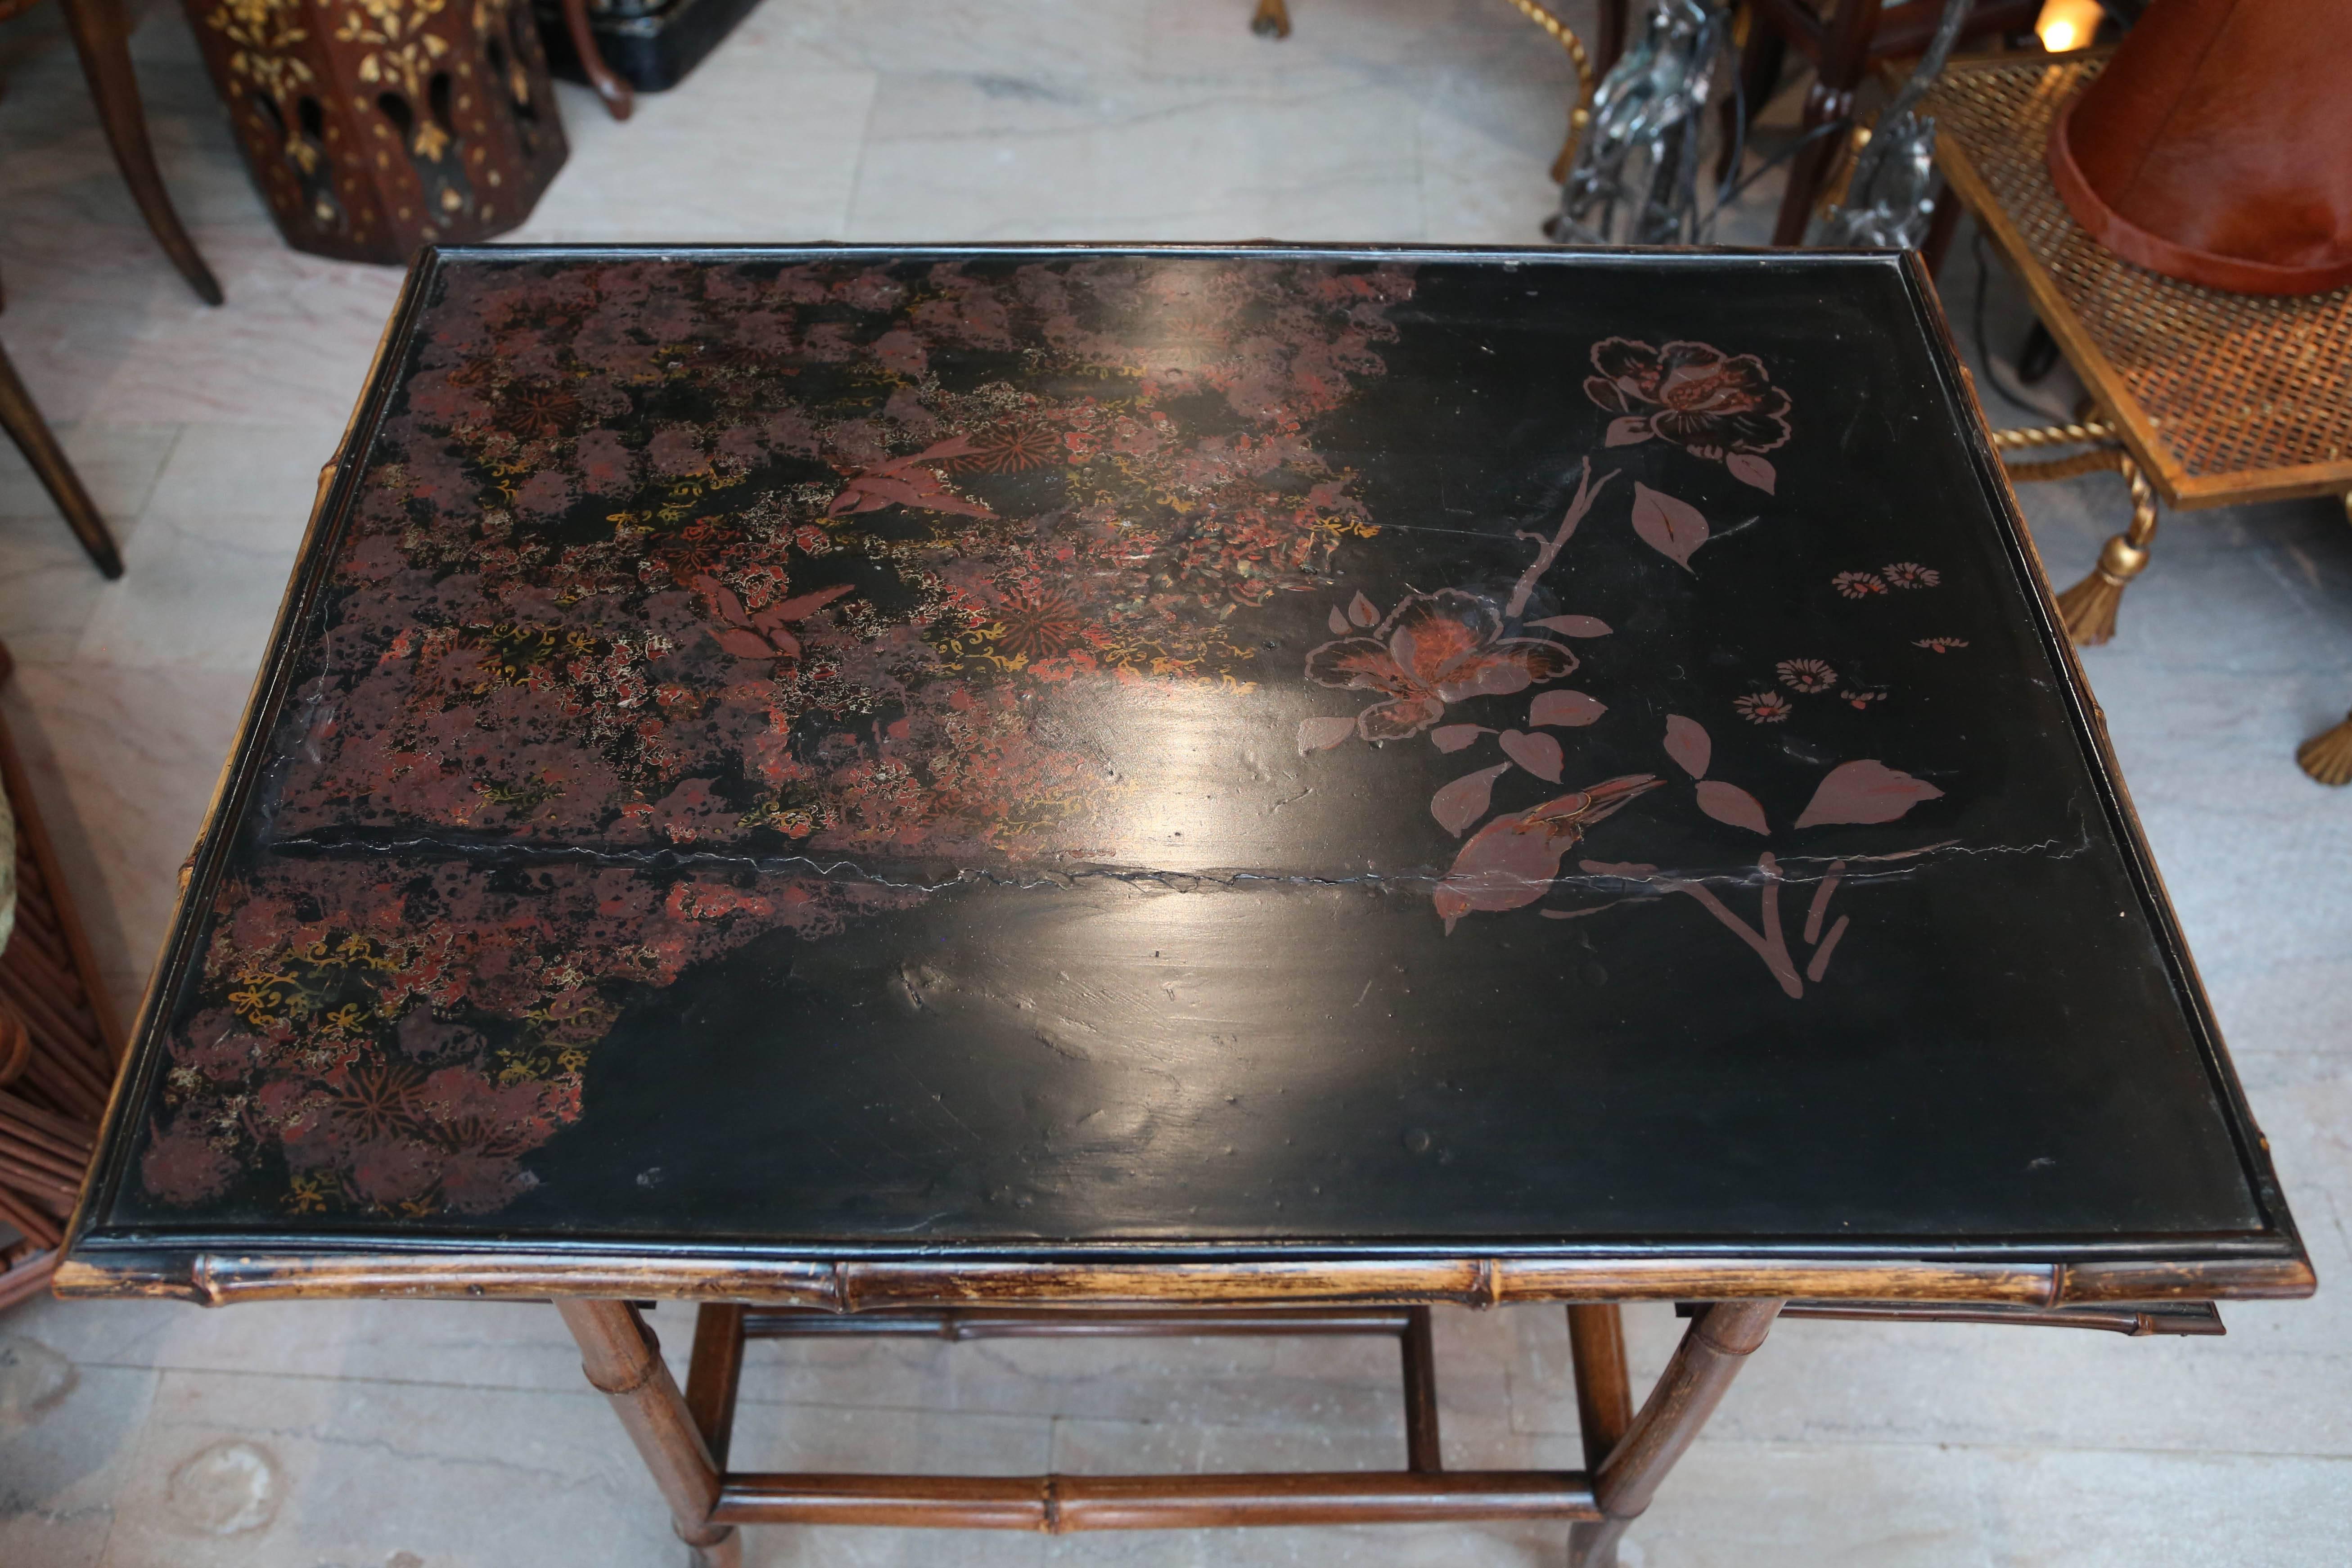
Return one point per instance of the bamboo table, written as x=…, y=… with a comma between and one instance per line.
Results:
x=1176, y=790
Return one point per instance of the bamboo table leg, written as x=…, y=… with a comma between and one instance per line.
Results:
x=1604, y=1396
x=618, y=1353
x=1713, y=1347
x=101, y=36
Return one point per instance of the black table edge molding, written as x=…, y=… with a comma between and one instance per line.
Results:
x=102, y=1263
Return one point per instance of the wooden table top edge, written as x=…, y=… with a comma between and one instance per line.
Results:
x=846, y=1285
x=2132, y=420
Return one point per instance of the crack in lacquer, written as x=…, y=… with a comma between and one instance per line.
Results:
x=1858, y=870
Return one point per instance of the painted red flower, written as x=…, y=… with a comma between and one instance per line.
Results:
x=1433, y=649
x=1763, y=707
x=1806, y=674
x=1692, y=394
x=1911, y=575
x=1858, y=585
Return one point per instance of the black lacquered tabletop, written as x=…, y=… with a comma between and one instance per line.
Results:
x=1002, y=750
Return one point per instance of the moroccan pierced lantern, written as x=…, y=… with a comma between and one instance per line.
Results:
x=2216, y=146
x=376, y=126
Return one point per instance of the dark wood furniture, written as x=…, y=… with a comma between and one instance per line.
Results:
x=374, y=129
x=588, y=59
x=622, y=47
x=21, y=417
x=101, y=36
x=1844, y=40
x=1189, y=790
x=59, y=1048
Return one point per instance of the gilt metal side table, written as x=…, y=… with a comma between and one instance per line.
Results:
x=2218, y=399
x=1176, y=789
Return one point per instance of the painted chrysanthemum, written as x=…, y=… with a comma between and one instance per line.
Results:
x=1763, y=707
x=1806, y=675
x=1011, y=448
x=1858, y=585
x=1911, y=575
x=1038, y=624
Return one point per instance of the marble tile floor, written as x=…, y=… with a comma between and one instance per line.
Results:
x=417, y=1436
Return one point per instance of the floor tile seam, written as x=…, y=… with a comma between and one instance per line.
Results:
x=1140, y=119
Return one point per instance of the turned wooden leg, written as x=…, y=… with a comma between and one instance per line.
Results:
x=31, y=433
x=1713, y=1347
x=623, y=1361
x=619, y=98
x=101, y=36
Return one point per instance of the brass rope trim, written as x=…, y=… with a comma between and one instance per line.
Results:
x=2082, y=433
x=2062, y=468
x=1579, y=118
x=2088, y=608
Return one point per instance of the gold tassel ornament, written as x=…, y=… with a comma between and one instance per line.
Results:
x=2088, y=608
x=2327, y=757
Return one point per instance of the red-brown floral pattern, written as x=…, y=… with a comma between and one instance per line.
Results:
x=1431, y=650
x=733, y=558
x=395, y=1039
x=1692, y=394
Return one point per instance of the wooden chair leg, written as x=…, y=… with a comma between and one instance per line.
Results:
x=101, y=36
x=31, y=433
x=1844, y=58
x=620, y=99
x=1271, y=19
x=1761, y=59
x=1609, y=33
x=1714, y=1349
x=624, y=1363
x=1942, y=224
